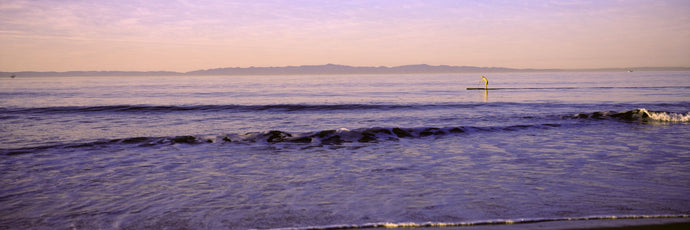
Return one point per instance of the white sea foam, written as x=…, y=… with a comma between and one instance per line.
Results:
x=486, y=222
x=667, y=117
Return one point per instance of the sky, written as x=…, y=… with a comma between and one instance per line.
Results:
x=186, y=35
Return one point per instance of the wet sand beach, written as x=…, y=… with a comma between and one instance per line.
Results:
x=619, y=224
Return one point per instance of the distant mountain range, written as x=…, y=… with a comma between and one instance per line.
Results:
x=323, y=69
x=344, y=69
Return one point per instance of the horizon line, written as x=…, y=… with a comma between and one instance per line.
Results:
x=381, y=67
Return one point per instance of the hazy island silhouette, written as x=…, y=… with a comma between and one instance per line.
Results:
x=326, y=69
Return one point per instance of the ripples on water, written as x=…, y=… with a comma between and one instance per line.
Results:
x=464, y=177
x=112, y=163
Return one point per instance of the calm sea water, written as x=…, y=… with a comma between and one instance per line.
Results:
x=208, y=152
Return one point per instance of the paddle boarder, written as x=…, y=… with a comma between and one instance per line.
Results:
x=486, y=83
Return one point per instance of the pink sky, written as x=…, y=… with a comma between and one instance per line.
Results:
x=64, y=35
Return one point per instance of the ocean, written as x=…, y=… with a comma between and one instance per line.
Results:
x=334, y=151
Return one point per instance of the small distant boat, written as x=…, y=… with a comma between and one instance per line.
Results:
x=630, y=71
x=13, y=76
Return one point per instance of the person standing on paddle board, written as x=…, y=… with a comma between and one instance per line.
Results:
x=486, y=83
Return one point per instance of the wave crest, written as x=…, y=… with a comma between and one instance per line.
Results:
x=309, y=139
x=667, y=117
x=641, y=115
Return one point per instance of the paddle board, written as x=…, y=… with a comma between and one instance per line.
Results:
x=484, y=88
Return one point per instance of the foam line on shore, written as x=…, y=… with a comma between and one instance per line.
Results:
x=487, y=222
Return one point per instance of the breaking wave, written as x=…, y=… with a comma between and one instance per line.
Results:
x=361, y=135
x=640, y=115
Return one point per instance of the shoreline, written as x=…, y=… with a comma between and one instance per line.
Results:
x=607, y=224
x=595, y=223
x=598, y=224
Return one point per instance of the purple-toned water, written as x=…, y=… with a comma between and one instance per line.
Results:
x=209, y=152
